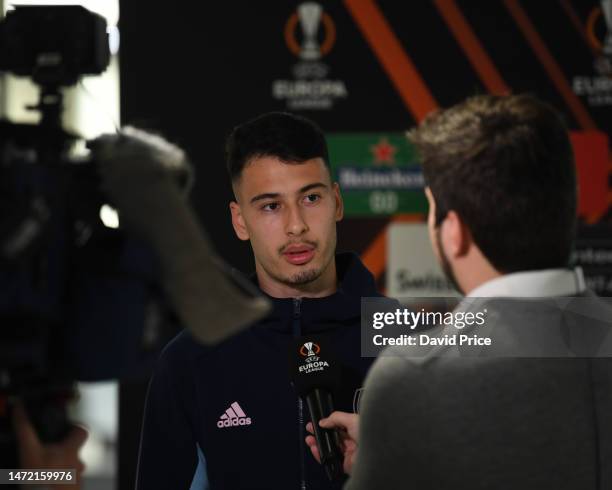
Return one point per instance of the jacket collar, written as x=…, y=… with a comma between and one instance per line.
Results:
x=320, y=314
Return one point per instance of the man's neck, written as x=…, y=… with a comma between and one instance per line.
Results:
x=473, y=270
x=325, y=285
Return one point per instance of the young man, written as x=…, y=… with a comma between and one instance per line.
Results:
x=502, y=192
x=227, y=416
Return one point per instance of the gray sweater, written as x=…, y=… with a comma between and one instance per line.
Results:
x=451, y=422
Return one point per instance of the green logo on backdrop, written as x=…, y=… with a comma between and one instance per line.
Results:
x=378, y=173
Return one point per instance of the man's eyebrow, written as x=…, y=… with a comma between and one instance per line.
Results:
x=276, y=195
x=309, y=187
x=268, y=195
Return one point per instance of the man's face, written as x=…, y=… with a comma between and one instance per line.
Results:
x=289, y=212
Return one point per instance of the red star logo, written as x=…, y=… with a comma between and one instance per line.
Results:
x=384, y=152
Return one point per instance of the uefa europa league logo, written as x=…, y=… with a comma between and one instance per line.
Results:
x=309, y=14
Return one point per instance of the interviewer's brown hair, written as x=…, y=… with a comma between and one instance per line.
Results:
x=505, y=165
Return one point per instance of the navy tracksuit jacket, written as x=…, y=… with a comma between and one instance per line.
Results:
x=227, y=417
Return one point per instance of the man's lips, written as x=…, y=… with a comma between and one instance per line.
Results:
x=298, y=254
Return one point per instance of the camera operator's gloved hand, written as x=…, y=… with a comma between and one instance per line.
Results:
x=33, y=454
x=146, y=179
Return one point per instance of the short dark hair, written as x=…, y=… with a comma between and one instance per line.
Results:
x=505, y=165
x=288, y=137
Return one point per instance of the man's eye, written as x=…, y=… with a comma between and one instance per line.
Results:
x=271, y=206
x=312, y=198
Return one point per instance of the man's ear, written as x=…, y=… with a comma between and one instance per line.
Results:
x=455, y=234
x=339, y=201
x=238, y=221
x=431, y=216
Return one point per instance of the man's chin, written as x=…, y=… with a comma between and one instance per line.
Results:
x=303, y=277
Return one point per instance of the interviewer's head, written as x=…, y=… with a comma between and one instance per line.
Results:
x=501, y=184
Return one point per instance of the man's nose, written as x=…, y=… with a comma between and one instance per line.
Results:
x=296, y=224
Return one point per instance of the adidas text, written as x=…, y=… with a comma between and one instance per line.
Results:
x=234, y=422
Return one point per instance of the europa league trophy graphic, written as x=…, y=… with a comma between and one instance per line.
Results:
x=606, y=7
x=308, y=346
x=309, y=14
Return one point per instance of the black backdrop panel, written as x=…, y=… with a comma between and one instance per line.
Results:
x=193, y=70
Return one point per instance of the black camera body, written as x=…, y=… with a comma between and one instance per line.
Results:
x=53, y=45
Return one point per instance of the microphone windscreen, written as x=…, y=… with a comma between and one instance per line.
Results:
x=139, y=173
x=312, y=364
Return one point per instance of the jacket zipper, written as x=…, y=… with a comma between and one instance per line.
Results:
x=297, y=331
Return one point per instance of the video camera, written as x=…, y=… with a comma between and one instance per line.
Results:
x=78, y=300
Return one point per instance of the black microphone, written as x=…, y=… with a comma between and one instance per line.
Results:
x=315, y=373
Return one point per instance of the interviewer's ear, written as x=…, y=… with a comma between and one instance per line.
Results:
x=431, y=217
x=455, y=235
x=238, y=221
